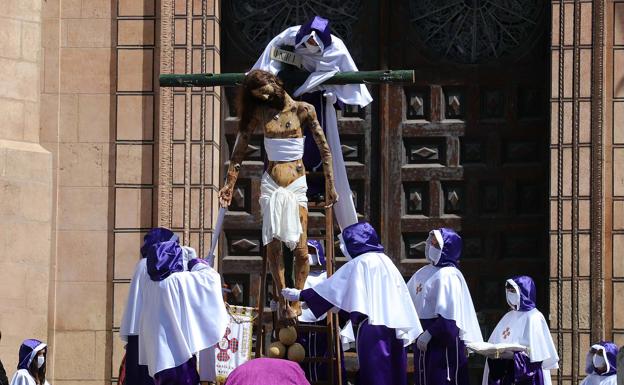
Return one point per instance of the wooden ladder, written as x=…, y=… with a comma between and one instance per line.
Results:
x=331, y=328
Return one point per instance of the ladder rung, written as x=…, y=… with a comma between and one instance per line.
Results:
x=318, y=359
x=313, y=328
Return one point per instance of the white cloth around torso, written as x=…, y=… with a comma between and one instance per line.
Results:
x=442, y=291
x=284, y=149
x=371, y=284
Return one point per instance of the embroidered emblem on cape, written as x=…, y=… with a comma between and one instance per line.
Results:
x=419, y=288
x=226, y=344
x=506, y=332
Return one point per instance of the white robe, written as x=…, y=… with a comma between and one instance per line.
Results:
x=527, y=328
x=181, y=315
x=370, y=284
x=442, y=291
x=23, y=377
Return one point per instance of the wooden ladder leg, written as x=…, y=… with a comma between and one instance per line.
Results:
x=261, y=300
x=333, y=331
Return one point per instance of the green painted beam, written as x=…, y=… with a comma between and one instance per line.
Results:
x=290, y=77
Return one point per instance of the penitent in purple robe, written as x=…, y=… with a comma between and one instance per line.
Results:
x=445, y=360
x=381, y=356
x=443, y=302
x=523, y=325
x=380, y=346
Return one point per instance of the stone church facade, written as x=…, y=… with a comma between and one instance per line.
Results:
x=516, y=139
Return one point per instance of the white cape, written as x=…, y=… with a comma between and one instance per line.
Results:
x=23, y=377
x=181, y=315
x=370, y=284
x=323, y=65
x=527, y=328
x=131, y=316
x=442, y=291
x=595, y=379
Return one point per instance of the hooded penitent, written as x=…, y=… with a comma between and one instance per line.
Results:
x=371, y=290
x=439, y=289
x=524, y=325
x=601, y=364
x=444, y=304
x=28, y=357
x=166, y=345
x=130, y=320
x=370, y=284
x=330, y=57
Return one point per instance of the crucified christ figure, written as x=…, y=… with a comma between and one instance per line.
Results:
x=263, y=103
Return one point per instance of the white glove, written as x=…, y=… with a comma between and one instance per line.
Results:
x=423, y=340
x=291, y=294
x=273, y=305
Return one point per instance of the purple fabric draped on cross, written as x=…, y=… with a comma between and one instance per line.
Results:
x=320, y=26
x=451, y=252
x=361, y=238
x=611, y=351
x=28, y=350
x=527, y=292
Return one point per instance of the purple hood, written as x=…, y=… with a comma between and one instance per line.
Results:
x=163, y=252
x=610, y=351
x=27, y=352
x=361, y=238
x=318, y=24
x=452, y=248
x=528, y=292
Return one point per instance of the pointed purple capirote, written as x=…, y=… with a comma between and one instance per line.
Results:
x=528, y=292
x=318, y=24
